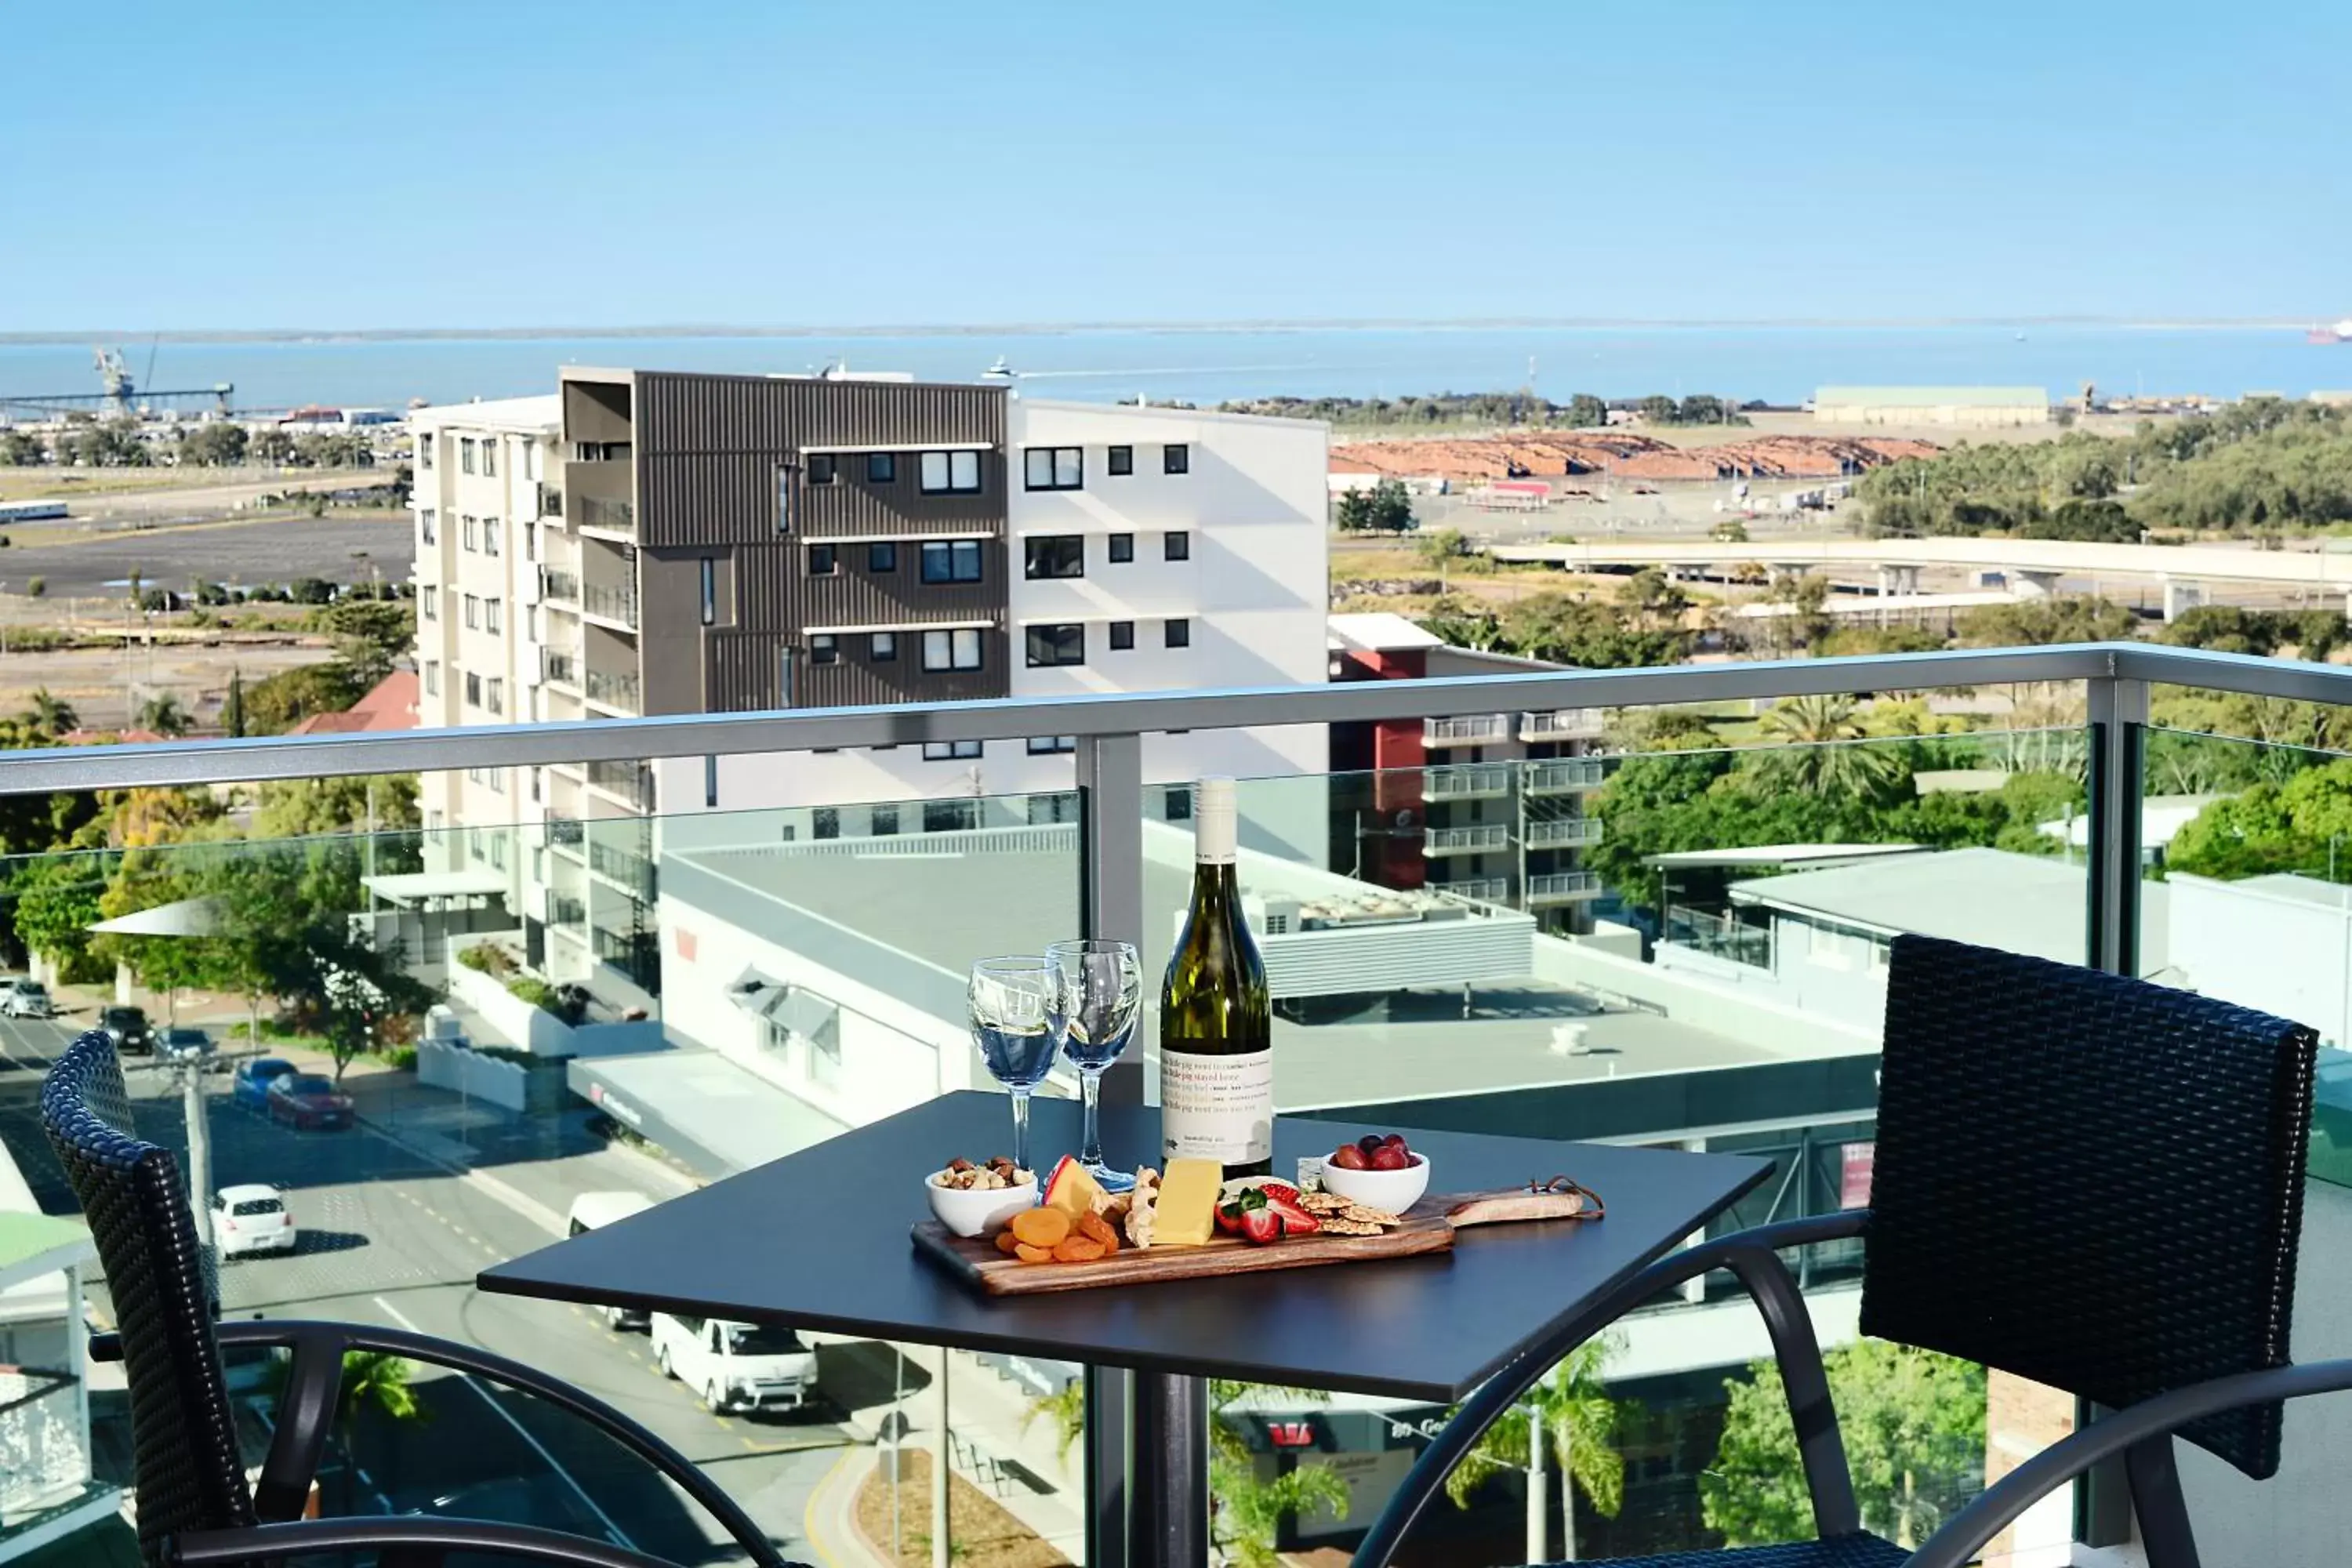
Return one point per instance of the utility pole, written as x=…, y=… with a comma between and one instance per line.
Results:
x=200, y=1147
x=1539, y=1490
x=942, y=1473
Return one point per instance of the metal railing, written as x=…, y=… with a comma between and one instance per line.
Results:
x=627, y=866
x=1466, y=729
x=562, y=669
x=1476, y=780
x=1563, y=887
x=1562, y=725
x=618, y=603
x=632, y=781
x=566, y=909
x=613, y=689
x=1485, y=889
x=1550, y=833
x=43, y=1457
x=558, y=585
x=1565, y=777
x=611, y=516
x=1479, y=840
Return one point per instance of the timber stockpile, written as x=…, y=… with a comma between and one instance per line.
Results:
x=1622, y=456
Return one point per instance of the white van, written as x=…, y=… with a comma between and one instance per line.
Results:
x=735, y=1366
x=590, y=1210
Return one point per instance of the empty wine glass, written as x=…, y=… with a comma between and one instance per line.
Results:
x=1102, y=995
x=1015, y=1008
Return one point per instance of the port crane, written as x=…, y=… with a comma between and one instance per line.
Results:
x=119, y=394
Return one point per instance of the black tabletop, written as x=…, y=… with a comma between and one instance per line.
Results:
x=819, y=1241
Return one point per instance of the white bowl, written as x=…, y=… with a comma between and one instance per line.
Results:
x=978, y=1211
x=1395, y=1191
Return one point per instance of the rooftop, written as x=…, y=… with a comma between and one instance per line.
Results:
x=1935, y=396
x=1380, y=632
x=539, y=415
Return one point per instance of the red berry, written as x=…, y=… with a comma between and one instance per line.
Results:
x=1347, y=1157
x=1296, y=1221
x=1278, y=1192
x=1394, y=1141
x=1391, y=1157
x=1262, y=1226
x=1372, y=1142
x=1229, y=1219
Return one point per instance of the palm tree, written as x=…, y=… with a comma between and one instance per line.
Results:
x=51, y=712
x=1820, y=755
x=163, y=714
x=376, y=1380
x=1573, y=1407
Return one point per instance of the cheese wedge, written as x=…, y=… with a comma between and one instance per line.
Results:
x=1070, y=1189
x=1185, y=1214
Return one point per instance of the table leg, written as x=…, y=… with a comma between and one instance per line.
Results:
x=1109, y=1399
x=1171, y=1451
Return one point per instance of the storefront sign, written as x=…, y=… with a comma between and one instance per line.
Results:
x=1854, y=1183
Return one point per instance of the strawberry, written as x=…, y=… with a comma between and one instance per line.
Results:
x=1262, y=1226
x=1296, y=1221
x=1232, y=1216
x=1229, y=1219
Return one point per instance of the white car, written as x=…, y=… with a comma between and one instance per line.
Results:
x=26, y=998
x=590, y=1210
x=251, y=1217
x=735, y=1366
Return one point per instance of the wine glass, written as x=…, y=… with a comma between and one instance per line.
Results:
x=1101, y=987
x=1015, y=1005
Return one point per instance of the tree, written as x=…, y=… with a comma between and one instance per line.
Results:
x=1730, y=531
x=1440, y=549
x=270, y=445
x=115, y=443
x=1914, y=1423
x=1587, y=411
x=1805, y=620
x=370, y=636
x=304, y=808
x=1245, y=1508
x=1819, y=754
x=219, y=445
x=1560, y=629
x=2035, y=623
x=1386, y=507
x=2303, y=825
x=279, y=702
x=1572, y=1409
x=164, y=714
x=22, y=449
x=52, y=714
x=1658, y=410
x=35, y=587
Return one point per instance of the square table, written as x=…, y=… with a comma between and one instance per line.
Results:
x=819, y=1241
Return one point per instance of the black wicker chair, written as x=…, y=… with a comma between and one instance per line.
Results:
x=2087, y=1181
x=195, y=1506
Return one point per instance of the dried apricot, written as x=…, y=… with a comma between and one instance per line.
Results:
x=1077, y=1250
x=1096, y=1228
x=1041, y=1226
x=1028, y=1254
x=1006, y=1241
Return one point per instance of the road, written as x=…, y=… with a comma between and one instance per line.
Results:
x=392, y=1239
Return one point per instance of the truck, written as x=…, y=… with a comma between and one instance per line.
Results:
x=734, y=1366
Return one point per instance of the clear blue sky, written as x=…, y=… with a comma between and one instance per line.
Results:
x=1000, y=160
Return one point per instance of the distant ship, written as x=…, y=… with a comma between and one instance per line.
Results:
x=2341, y=332
x=1000, y=370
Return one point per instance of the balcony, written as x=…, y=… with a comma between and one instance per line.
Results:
x=1570, y=776
x=1558, y=831
x=631, y=782
x=617, y=689
x=631, y=871
x=1485, y=839
x=566, y=909
x=550, y=501
x=559, y=668
x=1483, y=889
x=1477, y=780
x=1469, y=729
x=614, y=604
x=1562, y=725
x=596, y=515
x=557, y=586
x=1563, y=888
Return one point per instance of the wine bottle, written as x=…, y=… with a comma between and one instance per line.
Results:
x=1216, y=1018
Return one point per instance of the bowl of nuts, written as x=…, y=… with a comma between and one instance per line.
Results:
x=977, y=1199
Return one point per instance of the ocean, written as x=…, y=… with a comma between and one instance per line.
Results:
x=1777, y=363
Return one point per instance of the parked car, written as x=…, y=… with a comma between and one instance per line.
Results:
x=306, y=1100
x=735, y=1366
x=27, y=998
x=182, y=1044
x=589, y=1211
x=250, y=1088
x=129, y=1029
x=251, y=1217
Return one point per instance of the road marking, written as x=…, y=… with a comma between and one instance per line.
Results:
x=818, y=1542
x=397, y=1316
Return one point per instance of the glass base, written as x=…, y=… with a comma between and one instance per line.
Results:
x=1109, y=1180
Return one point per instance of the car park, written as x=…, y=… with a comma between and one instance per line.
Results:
x=252, y=1218
x=305, y=1100
x=249, y=1090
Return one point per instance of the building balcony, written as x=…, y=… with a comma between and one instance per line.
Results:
x=557, y=586
x=595, y=515
x=1472, y=730
x=1482, y=890
x=550, y=501
x=1561, y=832
x=617, y=689
x=1567, y=777
x=611, y=605
x=626, y=868
x=1476, y=780
x=1488, y=838
x=1562, y=724
x=566, y=909
x=1563, y=888
x=629, y=782
x=559, y=668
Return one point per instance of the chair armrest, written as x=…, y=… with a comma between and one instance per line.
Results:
x=1748, y=1254
x=307, y=1414
x=1964, y=1535
x=296, y=1538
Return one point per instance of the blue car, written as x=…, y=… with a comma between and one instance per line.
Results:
x=250, y=1086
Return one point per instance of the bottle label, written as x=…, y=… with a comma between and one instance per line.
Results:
x=1217, y=1107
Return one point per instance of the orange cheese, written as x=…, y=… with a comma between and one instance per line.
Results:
x=1070, y=1189
x=1186, y=1215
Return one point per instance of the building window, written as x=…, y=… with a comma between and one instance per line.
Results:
x=824, y=648
x=473, y=689
x=825, y=822
x=425, y=530
x=951, y=560
x=1062, y=805
x=882, y=648
x=465, y=444
x=1180, y=804
x=1122, y=636
x=822, y=468
x=1046, y=745
x=428, y=602
x=821, y=561
x=1121, y=460
x=950, y=751
x=490, y=536
x=1053, y=468
x=883, y=822
x=784, y=679
x=469, y=532
x=531, y=460
x=1057, y=555
x=1123, y=548
x=494, y=698
x=473, y=614
x=489, y=457
x=600, y=451
x=529, y=540
x=432, y=678
x=951, y=815
x=494, y=617
x=783, y=499
x=881, y=468
x=425, y=445
x=1176, y=545
x=1180, y=633
x=950, y=473
x=882, y=557
x=711, y=782
x=474, y=843
x=1175, y=459
x=1057, y=645
x=956, y=649
x=709, y=590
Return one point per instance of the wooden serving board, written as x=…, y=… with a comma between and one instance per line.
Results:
x=1428, y=1227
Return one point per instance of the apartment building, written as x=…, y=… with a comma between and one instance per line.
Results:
x=699, y=543
x=1488, y=806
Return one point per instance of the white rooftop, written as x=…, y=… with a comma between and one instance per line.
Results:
x=1776, y=855
x=1380, y=631
x=541, y=414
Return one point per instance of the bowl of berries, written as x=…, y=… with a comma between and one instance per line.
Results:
x=1378, y=1169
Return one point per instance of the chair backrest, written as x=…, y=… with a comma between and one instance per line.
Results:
x=2087, y=1181
x=182, y=1430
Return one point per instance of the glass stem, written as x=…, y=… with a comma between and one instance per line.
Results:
x=1021, y=1129
x=1090, y=1152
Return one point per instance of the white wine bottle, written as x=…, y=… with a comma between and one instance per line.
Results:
x=1216, y=1019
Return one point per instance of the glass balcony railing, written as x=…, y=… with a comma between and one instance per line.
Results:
x=550, y=501
x=632, y=781
x=1563, y=887
x=559, y=587
x=1565, y=725
x=606, y=516
x=1482, y=780
x=1480, y=840
x=560, y=669
x=1557, y=832
x=613, y=689
x=1565, y=777
x=1471, y=730
x=1485, y=889
x=615, y=603
x=45, y=1459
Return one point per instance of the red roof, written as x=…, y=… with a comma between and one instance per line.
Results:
x=390, y=704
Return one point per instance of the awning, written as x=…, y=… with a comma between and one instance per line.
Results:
x=407, y=887
x=188, y=917
x=717, y=1117
x=796, y=1007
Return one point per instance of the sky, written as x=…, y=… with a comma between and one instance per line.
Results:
x=512, y=164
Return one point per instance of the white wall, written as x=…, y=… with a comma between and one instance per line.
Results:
x=2251, y=943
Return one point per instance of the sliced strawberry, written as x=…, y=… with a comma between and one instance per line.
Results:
x=1278, y=1192
x=1262, y=1226
x=1235, y=1212
x=1296, y=1221
x=1229, y=1219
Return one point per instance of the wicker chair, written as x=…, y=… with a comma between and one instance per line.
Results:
x=2087, y=1181
x=195, y=1506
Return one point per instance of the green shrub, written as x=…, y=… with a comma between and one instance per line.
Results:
x=489, y=958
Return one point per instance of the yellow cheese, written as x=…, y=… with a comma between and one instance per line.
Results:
x=1072, y=1190
x=1186, y=1214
